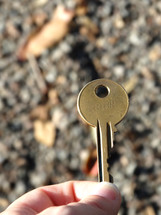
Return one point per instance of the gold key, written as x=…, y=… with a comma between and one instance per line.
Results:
x=103, y=103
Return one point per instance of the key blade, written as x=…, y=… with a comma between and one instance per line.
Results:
x=104, y=143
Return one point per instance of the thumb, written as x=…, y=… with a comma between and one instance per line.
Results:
x=104, y=198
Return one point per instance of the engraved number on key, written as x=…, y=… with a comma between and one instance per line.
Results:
x=102, y=104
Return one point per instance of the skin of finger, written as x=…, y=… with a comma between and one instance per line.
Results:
x=53, y=195
x=19, y=211
x=36, y=200
x=71, y=191
x=106, y=205
x=74, y=209
x=94, y=205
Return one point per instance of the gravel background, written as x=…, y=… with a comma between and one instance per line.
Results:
x=126, y=47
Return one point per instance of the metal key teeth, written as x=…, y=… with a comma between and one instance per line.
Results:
x=114, y=129
x=111, y=178
x=108, y=169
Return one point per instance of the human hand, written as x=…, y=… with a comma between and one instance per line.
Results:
x=69, y=198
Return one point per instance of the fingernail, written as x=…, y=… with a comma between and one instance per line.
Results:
x=106, y=190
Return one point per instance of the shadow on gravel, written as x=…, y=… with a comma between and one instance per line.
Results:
x=79, y=54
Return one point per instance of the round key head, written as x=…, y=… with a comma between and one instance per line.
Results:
x=102, y=99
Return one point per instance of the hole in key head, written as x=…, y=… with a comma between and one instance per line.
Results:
x=101, y=91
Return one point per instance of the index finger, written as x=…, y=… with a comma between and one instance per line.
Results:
x=54, y=195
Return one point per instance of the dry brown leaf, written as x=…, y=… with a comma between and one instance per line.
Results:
x=131, y=83
x=149, y=211
x=3, y=202
x=53, y=97
x=44, y=132
x=80, y=2
x=94, y=170
x=50, y=34
x=89, y=165
x=81, y=8
x=40, y=112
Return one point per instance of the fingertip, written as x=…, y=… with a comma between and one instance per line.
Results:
x=107, y=190
x=104, y=196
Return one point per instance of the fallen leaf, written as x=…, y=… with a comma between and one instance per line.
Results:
x=94, y=170
x=48, y=35
x=3, y=202
x=53, y=97
x=149, y=211
x=44, y=132
x=81, y=8
x=89, y=166
x=79, y=2
x=40, y=112
x=131, y=84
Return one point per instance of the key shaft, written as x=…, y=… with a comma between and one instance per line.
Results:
x=104, y=144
